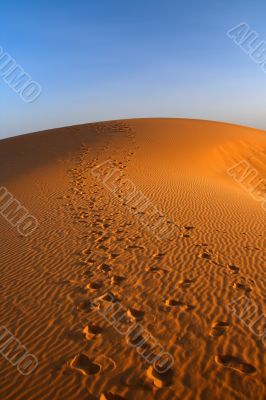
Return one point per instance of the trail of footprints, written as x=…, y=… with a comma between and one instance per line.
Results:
x=105, y=289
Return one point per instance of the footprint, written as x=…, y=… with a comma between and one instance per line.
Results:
x=189, y=228
x=86, y=306
x=178, y=303
x=242, y=286
x=117, y=279
x=185, y=235
x=86, y=252
x=206, y=255
x=92, y=330
x=218, y=328
x=160, y=379
x=135, y=314
x=233, y=269
x=235, y=363
x=102, y=247
x=105, y=268
x=155, y=269
x=88, y=274
x=102, y=239
x=110, y=297
x=95, y=285
x=136, y=339
x=90, y=260
x=83, y=364
x=114, y=255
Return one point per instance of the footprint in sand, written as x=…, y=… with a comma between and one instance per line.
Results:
x=86, y=306
x=219, y=328
x=110, y=297
x=135, y=315
x=90, y=260
x=160, y=377
x=95, y=285
x=178, y=303
x=185, y=235
x=86, y=252
x=102, y=247
x=206, y=255
x=105, y=268
x=155, y=269
x=114, y=255
x=233, y=269
x=235, y=363
x=136, y=339
x=92, y=331
x=111, y=396
x=102, y=239
x=189, y=228
x=242, y=286
x=83, y=364
x=117, y=279
x=88, y=274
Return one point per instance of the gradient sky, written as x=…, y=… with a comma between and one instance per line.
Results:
x=108, y=59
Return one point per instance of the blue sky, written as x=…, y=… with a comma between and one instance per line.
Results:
x=108, y=59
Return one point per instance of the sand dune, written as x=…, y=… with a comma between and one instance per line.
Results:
x=142, y=218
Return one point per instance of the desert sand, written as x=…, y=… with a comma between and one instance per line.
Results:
x=185, y=287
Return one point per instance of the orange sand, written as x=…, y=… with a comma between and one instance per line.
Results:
x=89, y=244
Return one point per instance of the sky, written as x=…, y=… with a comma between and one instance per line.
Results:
x=110, y=59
